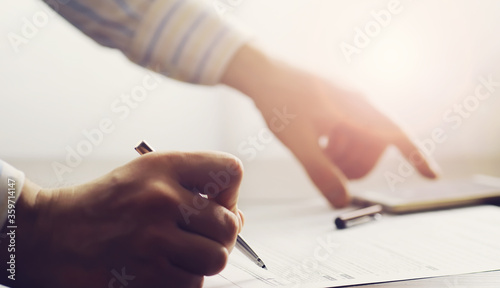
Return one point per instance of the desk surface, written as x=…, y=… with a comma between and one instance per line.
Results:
x=273, y=178
x=476, y=280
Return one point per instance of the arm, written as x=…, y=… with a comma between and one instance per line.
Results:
x=182, y=39
x=312, y=107
x=172, y=37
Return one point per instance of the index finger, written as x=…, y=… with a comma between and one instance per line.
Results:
x=329, y=179
x=217, y=175
x=425, y=165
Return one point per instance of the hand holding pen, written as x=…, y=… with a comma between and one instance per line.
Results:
x=143, y=148
x=127, y=226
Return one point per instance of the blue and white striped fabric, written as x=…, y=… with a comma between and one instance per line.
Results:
x=183, y=39
x=8, y=172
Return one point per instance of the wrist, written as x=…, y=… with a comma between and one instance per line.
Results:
x=27, y=199
x=26, y=208
x=250, y=71
x=270, y=83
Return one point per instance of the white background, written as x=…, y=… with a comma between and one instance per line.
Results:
x=427, y=59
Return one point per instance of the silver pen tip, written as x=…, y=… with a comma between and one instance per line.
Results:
x=261, y=264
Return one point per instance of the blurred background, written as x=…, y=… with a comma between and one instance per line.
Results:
x=417, y=65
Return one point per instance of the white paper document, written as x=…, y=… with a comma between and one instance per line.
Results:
x=301, y=247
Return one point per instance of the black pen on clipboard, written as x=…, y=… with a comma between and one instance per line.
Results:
x=357, y=217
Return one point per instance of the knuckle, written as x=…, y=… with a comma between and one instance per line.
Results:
x=157, y=193
x=217, y=261
x=155, y=187
x=149, y=159
x=150, y=238
x=167, y=159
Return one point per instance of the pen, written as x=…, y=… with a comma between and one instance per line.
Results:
x=143, y=148
x=357, y=217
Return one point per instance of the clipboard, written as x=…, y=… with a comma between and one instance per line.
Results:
x=432, y=195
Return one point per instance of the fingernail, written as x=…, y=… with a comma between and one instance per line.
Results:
x=242, y=217
x=435, y=168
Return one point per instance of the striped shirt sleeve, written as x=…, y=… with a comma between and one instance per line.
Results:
x=182, y=39
x=11, y=184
